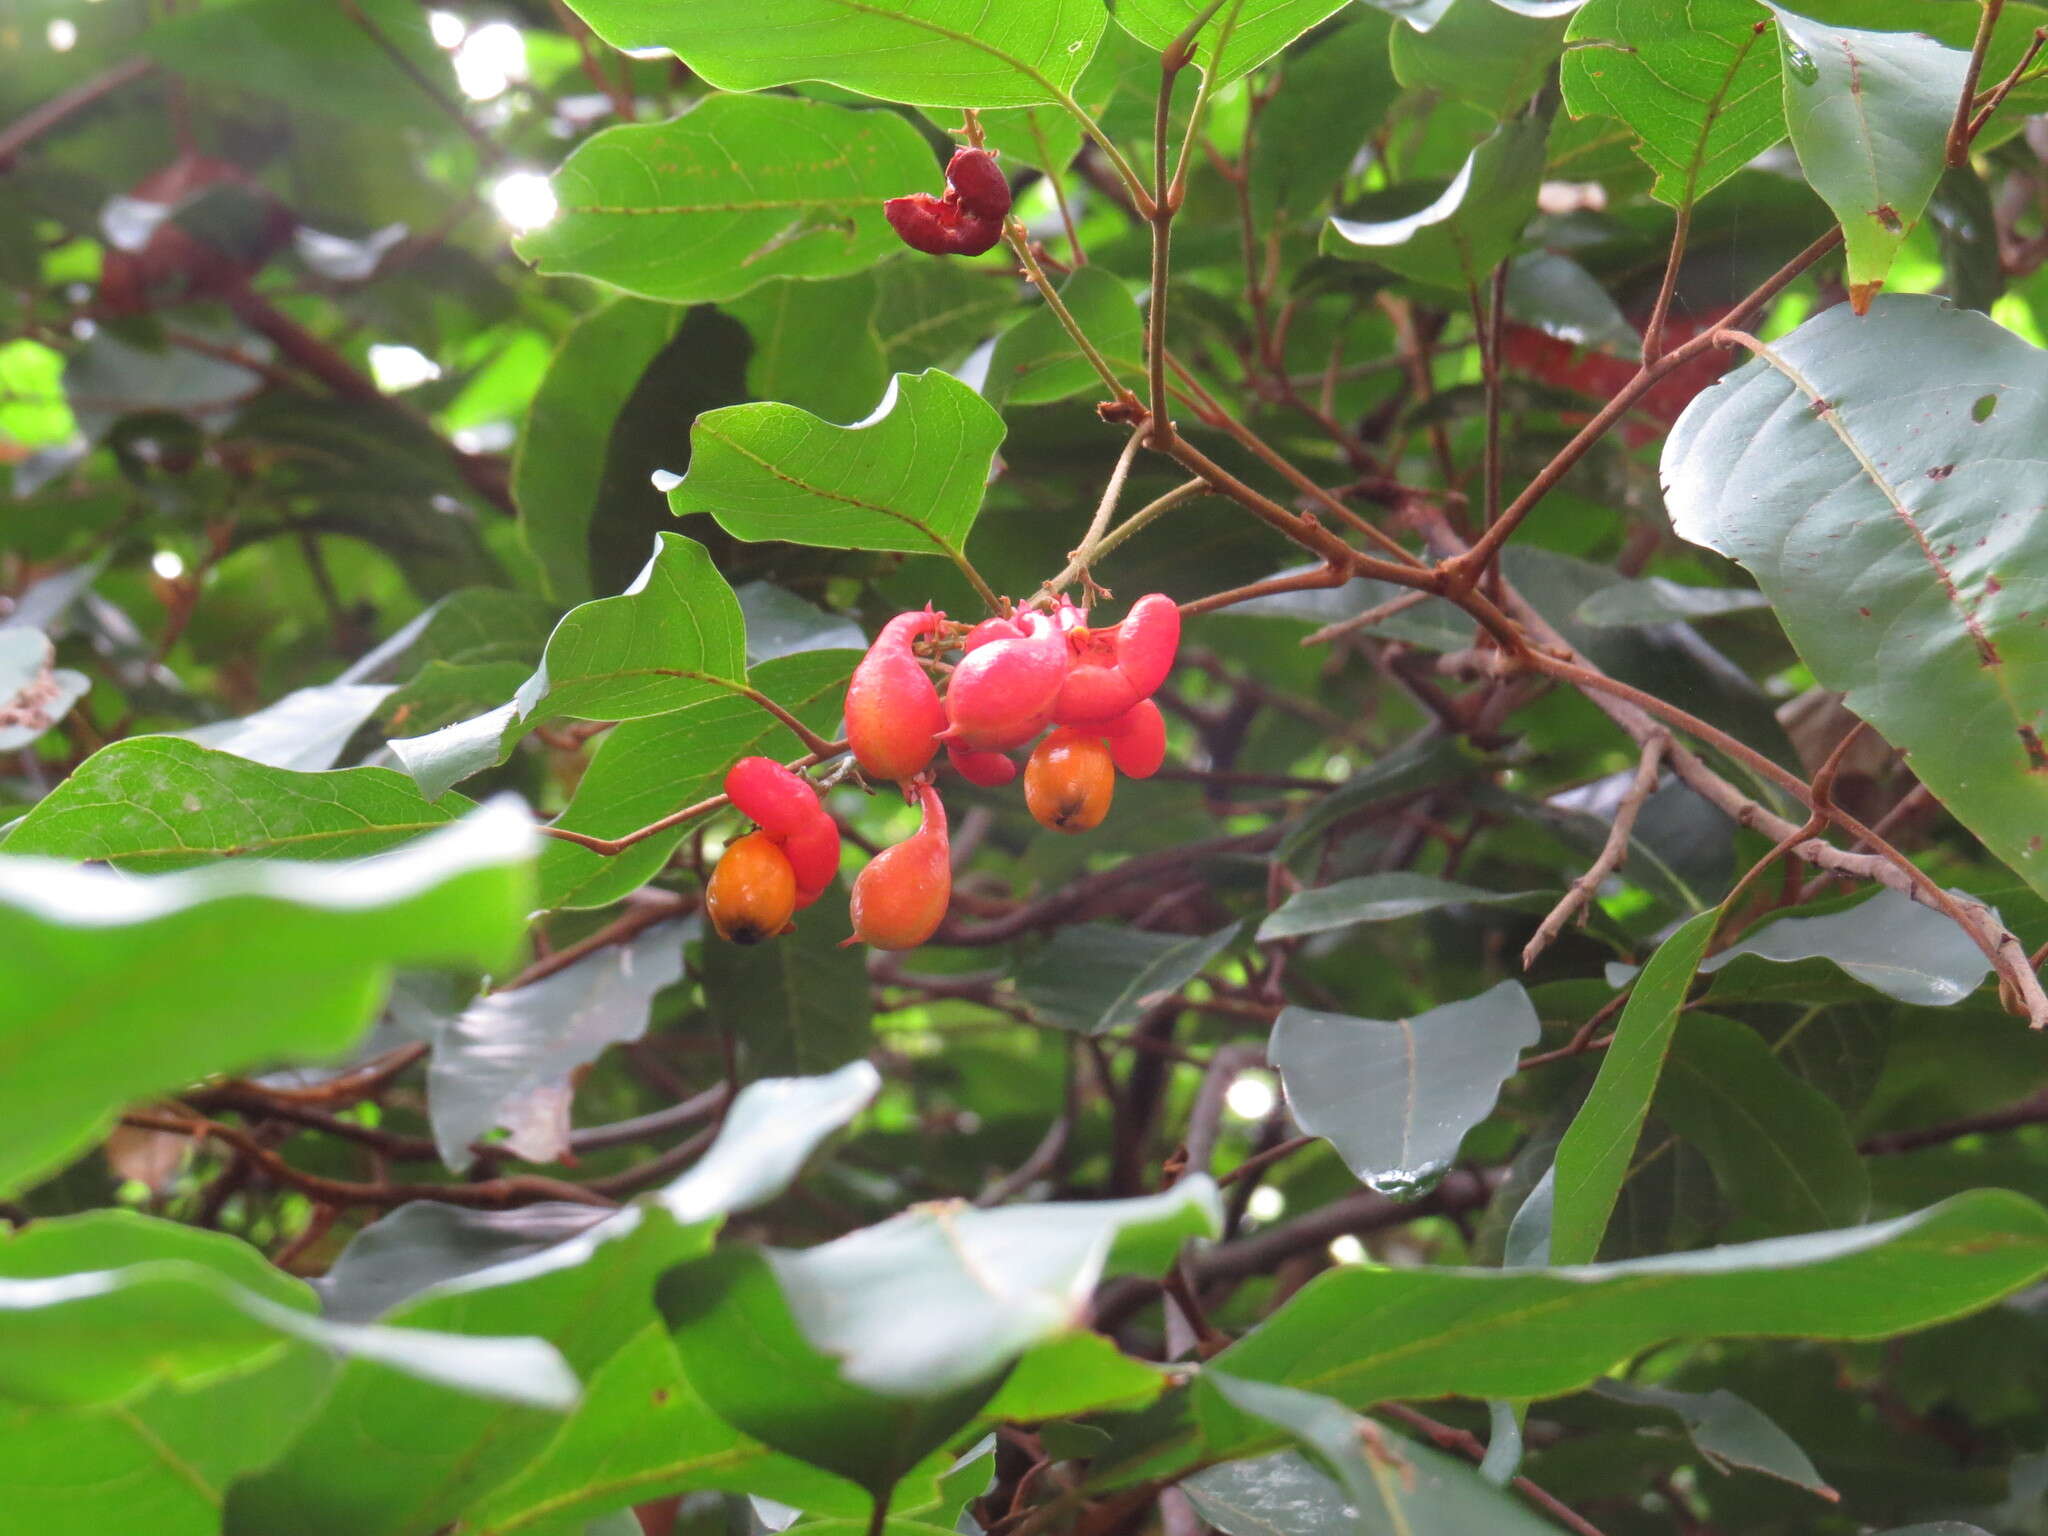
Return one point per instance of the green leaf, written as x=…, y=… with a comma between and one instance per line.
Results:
x=157, y=1462
x=587, y=1296
x=1889, y=942
x=558, y=471
x=1395, y=1098
x=908, y=478
x=507, y=1060
x=1239, y=37
x=1780, y=1149
x=929, y=53
x=1074, y=1374
x=1728, y=1430
x=1869, y=114
x=1383, y=899
x=931, y=314
x=738, y=190
x=1593, y=1159
x=645, y=769
x=1479, y=53
x=644, y=1431
x=304, y=731
x=1562, y=299
x=1472, y=225
x=103, y=1306
x=1900, y=481
x=1966, y=227
x=257, y=961
x=1655, y=600
x=1386, y=1485
x=1427, y=764
x=155, y=803
x=1036, y=361
x=34, y=695
x=1695, y=80
x=1332, y=97
x=1369, y=1334
x=672, y=639
x=799, y=1004
x=1097, y=977
x=794, y=325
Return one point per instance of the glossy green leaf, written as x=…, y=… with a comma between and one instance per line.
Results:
x=1074, y=1374
x=558, y=472
x=645, y=769
x=672, y=639
x=1096, y=977
x=929, y=53
x=1696, y=81
x=1728, y=1430
x=1457, y=238
x=1562, y=299
x=1238, y=36
x=261, y=960
x=1890, y=943
x=1396, y=1097
x=1036, y=361
x=156, y=803
x=794, y=323
x=1383, y=899
x=1366, y=1335
x=931, y=314
x=799, y=1004
x=1332, y=97
x=1479, y=52
x=1780, y=1149
x=908, y=478
x=103, y=1306
x=1385, y=1485
x=1593, y=1159
x=1654, y=600
x=1878, y=529
x=304, y=731
x=588, y=1296
x=507, y=1060
x=1869, y=114
x=738, y=190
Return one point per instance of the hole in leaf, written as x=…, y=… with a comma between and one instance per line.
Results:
x=1984, y=405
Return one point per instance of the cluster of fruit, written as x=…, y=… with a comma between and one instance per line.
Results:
x=1090, y=687
x=967, y=221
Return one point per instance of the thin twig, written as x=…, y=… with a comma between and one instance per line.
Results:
x=1615, y=852
x=1962, y=130
x=39, y=120
x=1465, y=1444
x=1378, y=613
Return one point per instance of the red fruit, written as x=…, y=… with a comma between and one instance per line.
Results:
x=893, y=713
x=813, y=853
x=1069, y=781
x=1113, y=669
x=1137, y=740
x=779, y=801
x=1002, y=691
x=170, y=263
x=991, y=770
x=974, y=179
x=940, y=226
x=900, y=899
x=752, y=892
x=988, y=630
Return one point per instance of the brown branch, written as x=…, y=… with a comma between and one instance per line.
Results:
x=1461, y=1442
x=39, y=120
x=1612, y=855
x=1962, y=130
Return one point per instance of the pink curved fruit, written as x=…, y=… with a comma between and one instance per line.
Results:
x=813, y=852
x=991, y=770
x=1137, y=740
x=1114, y=668
x=978, y=184
x=939, y=226
x=1001, y=691
x=900, y=899
x=893, y=713
x=778, y=800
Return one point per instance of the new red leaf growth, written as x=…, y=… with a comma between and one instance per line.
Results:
x=900, y=899
x=893, y=713
x=967, y=221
